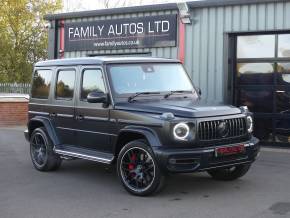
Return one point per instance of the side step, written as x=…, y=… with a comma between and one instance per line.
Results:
x=83, y=153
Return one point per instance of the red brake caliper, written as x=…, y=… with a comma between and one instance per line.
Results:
x=131, y=165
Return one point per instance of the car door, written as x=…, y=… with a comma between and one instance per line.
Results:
x=62, y=110
x=94, y=130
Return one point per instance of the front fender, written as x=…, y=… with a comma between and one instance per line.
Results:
x=148, y=133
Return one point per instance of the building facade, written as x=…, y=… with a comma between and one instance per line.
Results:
x=236, y=51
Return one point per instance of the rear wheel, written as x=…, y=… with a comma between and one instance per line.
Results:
x=138, y=169
x=231, y=173
x=41, y=151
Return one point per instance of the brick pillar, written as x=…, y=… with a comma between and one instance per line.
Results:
x=13, y=112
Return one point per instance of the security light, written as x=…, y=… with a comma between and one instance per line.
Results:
x=184, y=12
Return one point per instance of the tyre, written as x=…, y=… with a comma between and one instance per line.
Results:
x=232, y=173
x=41, y=151
x=138, y=169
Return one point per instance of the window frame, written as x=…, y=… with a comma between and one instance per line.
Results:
x=56, y=81
x=82, y=77
x=278, y=46
x=275, y=60
x=258, y=58
x=275, y=88
x=51, y=83
x=125, y=96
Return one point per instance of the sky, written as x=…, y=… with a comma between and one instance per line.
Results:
x=81, y=5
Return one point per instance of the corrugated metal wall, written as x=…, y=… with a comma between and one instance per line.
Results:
x=206, y=37
x=206, y=40
x=169, y=52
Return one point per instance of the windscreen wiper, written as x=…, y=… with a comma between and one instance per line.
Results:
x=177, y=91
x=131, y=98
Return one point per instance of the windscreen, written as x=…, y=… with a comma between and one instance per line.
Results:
x=153, y=77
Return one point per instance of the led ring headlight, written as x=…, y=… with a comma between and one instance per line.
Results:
x=181, y=131
x=249, y=124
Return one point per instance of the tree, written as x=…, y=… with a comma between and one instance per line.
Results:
x=23, y=36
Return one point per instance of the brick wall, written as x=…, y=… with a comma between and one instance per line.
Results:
x=13, y=112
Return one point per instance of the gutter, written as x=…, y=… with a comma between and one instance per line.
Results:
x=156, y=7
x=217, y=3
x=112, y=11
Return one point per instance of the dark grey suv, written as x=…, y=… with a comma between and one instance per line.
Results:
x=142, y=114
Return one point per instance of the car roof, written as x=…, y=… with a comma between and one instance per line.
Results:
x=103, y=60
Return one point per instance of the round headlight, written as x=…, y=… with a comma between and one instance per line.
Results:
x=181, y=131
x=250, y=124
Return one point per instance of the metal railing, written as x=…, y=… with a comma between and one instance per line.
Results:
x=21, y=88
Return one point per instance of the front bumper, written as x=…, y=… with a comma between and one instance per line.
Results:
x=202, y=159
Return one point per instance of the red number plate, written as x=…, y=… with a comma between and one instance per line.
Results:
x=229, y=150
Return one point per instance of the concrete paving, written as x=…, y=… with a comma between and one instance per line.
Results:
x=86, y=189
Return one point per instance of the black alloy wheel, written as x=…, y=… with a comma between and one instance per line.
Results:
x=41, y=151
x=138, y=169
x=38, y=150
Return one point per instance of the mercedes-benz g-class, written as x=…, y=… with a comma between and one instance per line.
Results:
x=142, y=114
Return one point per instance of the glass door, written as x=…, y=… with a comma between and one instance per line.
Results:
x=262, y=82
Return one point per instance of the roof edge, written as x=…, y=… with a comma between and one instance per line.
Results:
x=103, y=60
x=216, y=3
x=112, y=11
x=158, y=7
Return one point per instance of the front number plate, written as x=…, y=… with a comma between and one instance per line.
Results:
x=229, y=150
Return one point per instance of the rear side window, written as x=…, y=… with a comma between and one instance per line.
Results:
x=41, y=84
x=65, y=84
x=92, y=81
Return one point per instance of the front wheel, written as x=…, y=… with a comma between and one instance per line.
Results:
x=138, y=169
x=231, y=173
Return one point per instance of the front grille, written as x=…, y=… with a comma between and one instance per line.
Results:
x=209, y=130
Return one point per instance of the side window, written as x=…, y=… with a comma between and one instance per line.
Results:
x=92, y=81
x=41, y=84
x=65, y=84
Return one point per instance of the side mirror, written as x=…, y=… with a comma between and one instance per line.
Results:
x=198, y=91
x=97, y=97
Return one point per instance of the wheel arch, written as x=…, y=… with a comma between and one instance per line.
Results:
x=131, y=133
x=37, y=122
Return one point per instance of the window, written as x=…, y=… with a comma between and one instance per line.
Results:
x=65, y=84
x=263, y=83
x=284, y=45
x=283, y=129
x=41, y=84
x=282, y=101
x=283, y=76
x=256, y=46
x=255, y=73
x=133, y=78
x=283, y=67
x=92, y=81
x=255, y=100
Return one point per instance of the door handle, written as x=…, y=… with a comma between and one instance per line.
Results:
x=52, y=115
x=79, y=117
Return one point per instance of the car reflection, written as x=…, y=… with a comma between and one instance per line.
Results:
x=270, y=100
